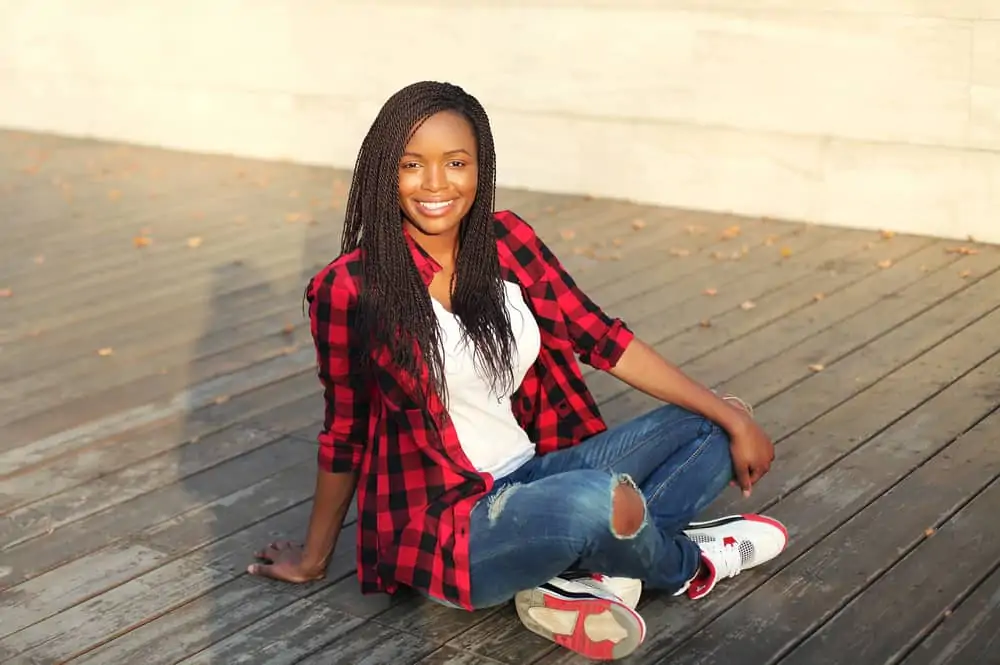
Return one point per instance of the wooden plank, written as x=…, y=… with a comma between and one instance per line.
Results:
x=840, y=568
x=48, y=594
x=968, y=634
x=451, y=656
x=34, y=439
x=370, y=644
x=78, y=467
x=432, y=621
x=685, y=329
x=194, y=510
x=933, y=571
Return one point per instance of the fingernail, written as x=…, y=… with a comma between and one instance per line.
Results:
x=252, y=569
x=746, y=493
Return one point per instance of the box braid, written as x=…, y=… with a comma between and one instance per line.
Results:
x=395, y=306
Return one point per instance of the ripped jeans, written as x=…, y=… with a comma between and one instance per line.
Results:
x=554, y=513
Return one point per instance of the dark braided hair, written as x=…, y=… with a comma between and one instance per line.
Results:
x=395, y=306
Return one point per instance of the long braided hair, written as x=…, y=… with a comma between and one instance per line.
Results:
x=395, y=307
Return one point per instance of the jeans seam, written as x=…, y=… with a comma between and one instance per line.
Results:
x=645, y=440
x=680, y=468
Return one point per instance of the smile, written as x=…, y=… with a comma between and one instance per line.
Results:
x=434, y=206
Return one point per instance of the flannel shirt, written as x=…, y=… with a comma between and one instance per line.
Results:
x=416, y=487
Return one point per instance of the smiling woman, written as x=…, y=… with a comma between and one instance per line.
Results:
x=447, y=337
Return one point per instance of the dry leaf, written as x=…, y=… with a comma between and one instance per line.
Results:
x=819, y=296
x=964, y=251
x=816, y=368
x=929, y=531
x=141, y=241
x=288, y=329
x=680, y=251
x=6, y=293
x=567, y=234
x=731, y=232
x=868, y=245
x=748, y=305
x=221, y=399
x=786, y=252
x=887, y=234
x=947, y=613
x=293, y=217
x=40, y=259
x=289, y=350
x=638, y=224
x=106, y=351
x=965, y=274
x=114, y=195
x=579, y=250
x=194, y=241
x=616, y=256
x=887, y=263
x=705, y=324
x=550, y=209
x=710, y=292
x=617, y=242
x=695, y=230
x=770, y=240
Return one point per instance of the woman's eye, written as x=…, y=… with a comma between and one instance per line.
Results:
x=409, y=165
x=456, y=164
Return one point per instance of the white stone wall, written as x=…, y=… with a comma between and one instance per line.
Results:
x=865, y=113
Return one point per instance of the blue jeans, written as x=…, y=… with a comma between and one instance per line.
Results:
x=554, y=513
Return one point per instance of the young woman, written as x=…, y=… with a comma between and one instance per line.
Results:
x=447, y=337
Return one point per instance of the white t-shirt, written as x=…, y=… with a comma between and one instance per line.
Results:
x=490, y=436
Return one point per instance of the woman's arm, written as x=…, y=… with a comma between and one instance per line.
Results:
x=641, y=367
x=330, y=503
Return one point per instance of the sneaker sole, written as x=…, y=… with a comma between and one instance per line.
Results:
x=590, y=633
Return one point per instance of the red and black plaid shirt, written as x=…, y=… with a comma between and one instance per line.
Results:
x=417, y=487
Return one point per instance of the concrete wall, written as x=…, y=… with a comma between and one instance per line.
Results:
x=867, y=113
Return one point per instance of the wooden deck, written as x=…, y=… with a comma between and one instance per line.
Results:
x=158, y=407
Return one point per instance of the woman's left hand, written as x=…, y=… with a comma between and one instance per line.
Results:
x=752, y=451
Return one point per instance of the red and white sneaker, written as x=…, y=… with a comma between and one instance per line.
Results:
x=582, y=615
x=730, y=545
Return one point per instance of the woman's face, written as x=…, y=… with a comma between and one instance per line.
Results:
x=438, y=175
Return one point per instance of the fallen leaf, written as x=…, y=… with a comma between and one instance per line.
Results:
x=240, y=219
x=887, y=234
x=549, y=209
x=816, y=368
x=288, y=329
x=617, y=242
x=6, y=293
x=293, y=217
x=221, y=399
x=40, y=259
x=106, y=351
x=194, y=241
x=313, y=222
x=695, y=230
x=947, y=613
x=567, y=234
x=579, y=250
x=731, y=232
x=965, y=274
x=638, y=224
x=717, y=255
x=819, y=296
x=705, y=324
x=748, y=305
x=142, y=241
x=924, y=269
x=964, y=251
x=289, y=350
x=680, y=251
x=770, y=240
x=114, y=195
x=616, y=256
x=786, y=252
x=887, y=263
x=868, y=245
x=930, y=531
x=710, y=292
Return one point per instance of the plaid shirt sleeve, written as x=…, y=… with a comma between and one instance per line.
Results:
x=598, y=339
x=332, y=314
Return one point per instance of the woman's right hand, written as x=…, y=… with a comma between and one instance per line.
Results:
x=283, y=561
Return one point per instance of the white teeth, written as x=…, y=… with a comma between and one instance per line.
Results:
x=435, y=205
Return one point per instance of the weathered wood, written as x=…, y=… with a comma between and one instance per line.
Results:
x=968, y=634
x=450, y=656
x=371, y=644
x=933, y=571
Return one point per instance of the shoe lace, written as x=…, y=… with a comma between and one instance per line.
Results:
x=726, y=557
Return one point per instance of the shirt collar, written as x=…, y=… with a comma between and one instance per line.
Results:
x=427, y=266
